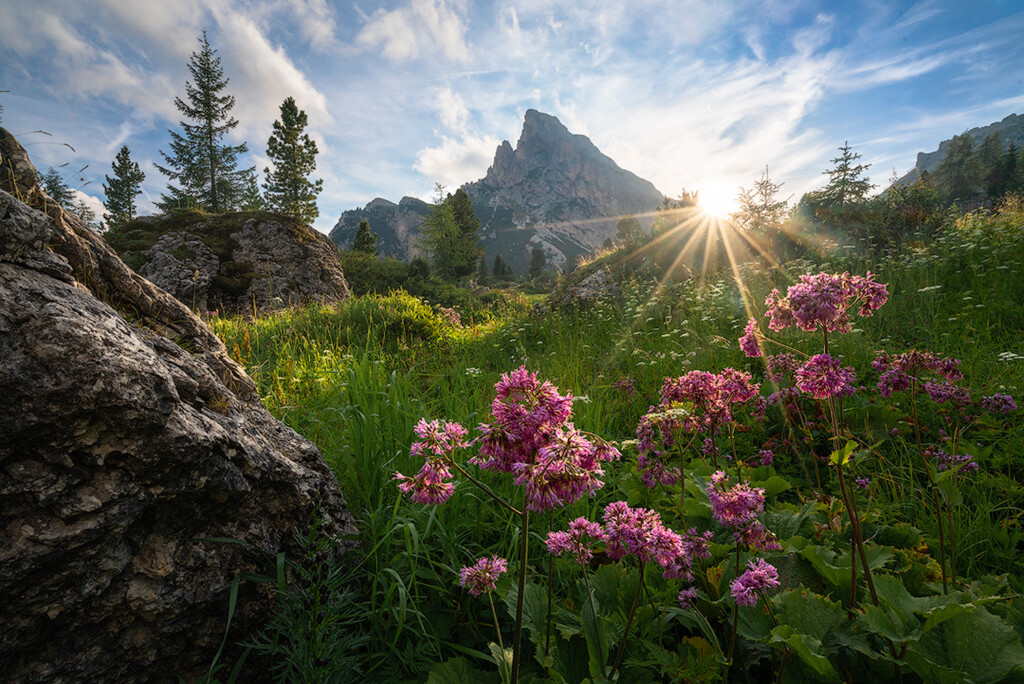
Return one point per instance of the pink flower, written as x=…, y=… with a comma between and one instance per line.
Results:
x=757, y=537
x=573, y=542
x=639, y=531
x=483, y=575
x=736, y=506
x=999, y=403
x=429, y=486
x=687, y=597
x=823, y=300
x=565, y=469
x=749, y=343
x=438, y=438
x=823, y=377
x=759, y=576
x=941, y=392
x=898, y=372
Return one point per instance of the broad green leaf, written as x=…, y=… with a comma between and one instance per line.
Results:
x=773, y=486
x=842, y=456
x=503, y=660
x=806, y=647
x=974, y=647
x=807, y=612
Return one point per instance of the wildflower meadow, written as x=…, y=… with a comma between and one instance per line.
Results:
x=810, y=472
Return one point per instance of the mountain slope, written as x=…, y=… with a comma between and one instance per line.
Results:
x=555, y=190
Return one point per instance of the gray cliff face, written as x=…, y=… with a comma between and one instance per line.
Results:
x=1010, y=129
x=396, y=225
x=120, y=451
x=555, y=190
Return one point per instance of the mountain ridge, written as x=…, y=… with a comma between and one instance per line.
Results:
x=555, y=190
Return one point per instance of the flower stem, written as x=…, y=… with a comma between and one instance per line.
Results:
x=934, y=487
x=597, y=625
x=485, y=488
x=629, y=623
x=518, y=636
x=501, y=645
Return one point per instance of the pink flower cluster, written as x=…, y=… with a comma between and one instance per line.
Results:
x=573, y=542
x=639, y=532
x=945, y=461
x=749, y=343
x=899, y=371
x=999, y=403
x=710, y=400
x=823, y=376
x=760, y=575
x=735, y=506
x=531, y=438
x=438, y=440
x=483, y=575
x=823, y=301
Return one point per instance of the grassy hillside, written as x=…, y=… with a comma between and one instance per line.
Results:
x=356, y=379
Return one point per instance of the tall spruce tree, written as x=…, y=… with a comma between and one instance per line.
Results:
x=538, y=262
x=758, y=208
x=846, y=181
x=288, y=189
x=958, y=176
x=205, y=168
x=451, y=235
x=122, y=189
x=365, y=241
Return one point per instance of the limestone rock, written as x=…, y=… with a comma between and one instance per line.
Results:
x=234, y=262
x=180, y=263
x=120, y=451
x=597, y=286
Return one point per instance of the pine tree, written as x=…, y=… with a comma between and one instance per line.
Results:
x=122, y=189
x=288, y=189
x=846, y=184
x=57, y=189
x=450, y=235
x=365, y=241
x=538, y=262
x=628, y=231
x=758, y=208
x=501, y=270
x=204, y=168
x=958, y=175
x=248, y=197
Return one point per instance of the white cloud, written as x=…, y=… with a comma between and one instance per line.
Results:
x=453, y=111
x=427, y=26
x=93, y=203
x=455, y=162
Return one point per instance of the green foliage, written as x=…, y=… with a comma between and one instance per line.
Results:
x=121, y=190
x=846, y=182
x=959, y=174
x=395, y=318
x=451, y=236
x=538, y=262
x=365, y=241
x=629, y=232
x=204, y=168
x=759, y=210
x=293, y=153
x=54, y=186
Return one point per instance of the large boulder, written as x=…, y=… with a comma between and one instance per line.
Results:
x=233, y=263
x=128, y=439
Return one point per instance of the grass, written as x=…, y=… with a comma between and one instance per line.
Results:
x=355, y=378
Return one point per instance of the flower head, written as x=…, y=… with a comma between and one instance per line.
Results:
x=823, y=301
x=429, y=486
x=573, y=541
x=639, y=532
x=823, y=377
x=483, y=575
x=999, y=403
x=759, y=576
x=736, y=506
x=749, y=343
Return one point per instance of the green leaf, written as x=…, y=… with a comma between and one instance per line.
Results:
x=806, y=647
x=458, y=671
x=842, y=456
x=973, y=647
x=807, y=612
x=503, y=659
x=773, y=486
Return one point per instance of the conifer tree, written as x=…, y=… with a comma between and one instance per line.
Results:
x=538, y=262
x=758, y=208
x=288, y=189
x=958, y=175
x=846, y=182
x=122, y=189
x=57, y=189
x=450, y=235
x=365, y=241
x=249, y=197
x=203, y=166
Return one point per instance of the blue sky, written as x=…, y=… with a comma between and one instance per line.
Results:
x=403, y=94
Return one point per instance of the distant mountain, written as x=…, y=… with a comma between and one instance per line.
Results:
x=555, y=190
x=1011, y=129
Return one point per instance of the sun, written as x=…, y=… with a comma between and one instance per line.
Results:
x=717, y=200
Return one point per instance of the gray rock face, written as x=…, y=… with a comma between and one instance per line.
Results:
x=259, y=262
x=296, y=268
x=555, y=191
x=119, y=452
x=180, y=263
x=396, y=226
x=597, y=286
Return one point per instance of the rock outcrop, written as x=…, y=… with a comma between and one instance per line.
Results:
x=128, y=437
x=554, y=190
x=234, y=262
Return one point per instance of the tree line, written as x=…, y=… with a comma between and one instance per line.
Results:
x=203, y=168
